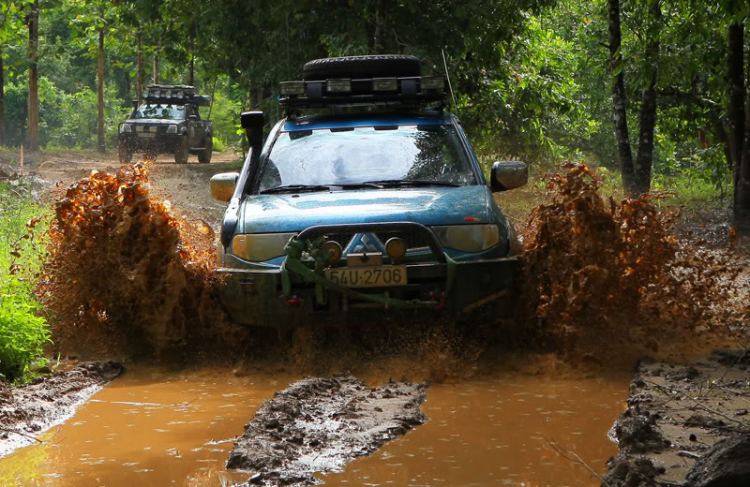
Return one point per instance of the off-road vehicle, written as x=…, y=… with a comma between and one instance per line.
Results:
x=367, y=195
x=168, y=122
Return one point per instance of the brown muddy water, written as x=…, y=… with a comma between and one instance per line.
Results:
x=153, y=428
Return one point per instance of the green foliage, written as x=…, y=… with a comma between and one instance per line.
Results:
x=22, y=332
x=65, y=119
x=78, y=124
x=225, y=115
x=218, y=145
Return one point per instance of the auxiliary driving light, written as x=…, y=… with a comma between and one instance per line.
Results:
x=333, y=250
x=292, y=88
x=395, y=248
x=343, y=85
x=384, y=84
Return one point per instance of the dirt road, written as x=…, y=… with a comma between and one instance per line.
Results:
x=185, y=186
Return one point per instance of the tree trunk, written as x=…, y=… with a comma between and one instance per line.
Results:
x=100, y=92
x=156, y=63
x=191, y=73
x=742, y=162
x=2, y=99
x=139, y=70
x=647, y=120
x=619, y=98
x=380, y=27
x=736, y=107
x=33, y=135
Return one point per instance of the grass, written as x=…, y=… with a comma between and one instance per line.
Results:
x=23, y=333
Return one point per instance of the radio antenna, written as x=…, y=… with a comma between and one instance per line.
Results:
x=445, y=65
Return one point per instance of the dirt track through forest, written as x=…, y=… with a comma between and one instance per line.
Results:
x=516, y=429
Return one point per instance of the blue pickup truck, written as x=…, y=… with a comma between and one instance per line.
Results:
x=367, y=195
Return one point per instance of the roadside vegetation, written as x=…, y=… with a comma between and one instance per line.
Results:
x=23, y=331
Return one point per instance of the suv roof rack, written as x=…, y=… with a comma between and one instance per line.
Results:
x=347, y=92
x=175, y=95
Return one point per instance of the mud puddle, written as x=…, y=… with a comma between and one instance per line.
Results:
x=147, y=428
x=157, y=428
x=501, y=431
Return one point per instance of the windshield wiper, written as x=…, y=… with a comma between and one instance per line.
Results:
x=295, y=188
x=359, y=185
x=412, y=182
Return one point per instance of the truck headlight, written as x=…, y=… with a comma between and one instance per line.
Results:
x=125, y=128
x=260, y=247
x=172, y=129
x=468, y=238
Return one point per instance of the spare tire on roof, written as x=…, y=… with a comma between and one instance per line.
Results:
x=374, y=66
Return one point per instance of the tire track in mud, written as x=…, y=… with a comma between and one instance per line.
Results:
x=27, y=411
x=319, y=425
x=685, y=425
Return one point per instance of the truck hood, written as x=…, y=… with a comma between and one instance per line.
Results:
x=428, y=206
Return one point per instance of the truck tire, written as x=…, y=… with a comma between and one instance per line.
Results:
x=204, y=156
x=181, y=152
x=125, y=155
x=361, y=67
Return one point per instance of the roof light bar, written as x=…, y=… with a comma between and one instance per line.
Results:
x=343, y=85
x=432, y=83
x=292, y=88
x=384, y=84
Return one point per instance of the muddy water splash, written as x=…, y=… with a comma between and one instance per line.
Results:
x=597, y=267
x=123, y=274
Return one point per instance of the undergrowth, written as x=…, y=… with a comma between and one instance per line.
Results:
x=23, y=332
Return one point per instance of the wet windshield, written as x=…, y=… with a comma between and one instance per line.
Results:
x=364, y=154
x=163, y=112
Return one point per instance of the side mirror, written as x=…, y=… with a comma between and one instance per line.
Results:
x=223, y=185
x=508, y=175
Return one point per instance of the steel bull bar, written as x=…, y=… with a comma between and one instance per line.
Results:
x=251, y=296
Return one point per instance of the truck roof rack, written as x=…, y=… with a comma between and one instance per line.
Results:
x=419, y=91
x=175, y=95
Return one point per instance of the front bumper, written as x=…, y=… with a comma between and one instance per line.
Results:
x=255, y=297
x=160, y=143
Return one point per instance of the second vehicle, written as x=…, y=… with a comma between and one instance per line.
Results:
x=168, y=122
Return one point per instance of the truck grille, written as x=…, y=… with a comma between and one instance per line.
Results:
x=413, y=239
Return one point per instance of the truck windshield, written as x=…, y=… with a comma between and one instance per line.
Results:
x=365, y=154
x=162, y=112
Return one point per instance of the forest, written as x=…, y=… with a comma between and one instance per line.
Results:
x=654, y=90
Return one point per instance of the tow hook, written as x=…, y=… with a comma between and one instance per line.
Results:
x=438, y=298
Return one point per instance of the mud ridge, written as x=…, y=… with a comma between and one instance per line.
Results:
x=320, y=424
x=27, y=411
x=686, y=425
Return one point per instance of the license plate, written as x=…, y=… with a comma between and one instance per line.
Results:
x=381, y=276
x=147, y=135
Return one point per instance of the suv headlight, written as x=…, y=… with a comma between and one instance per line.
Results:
x=261, y=246
x=172, y=129
x=125, y=128
x=468, y=238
